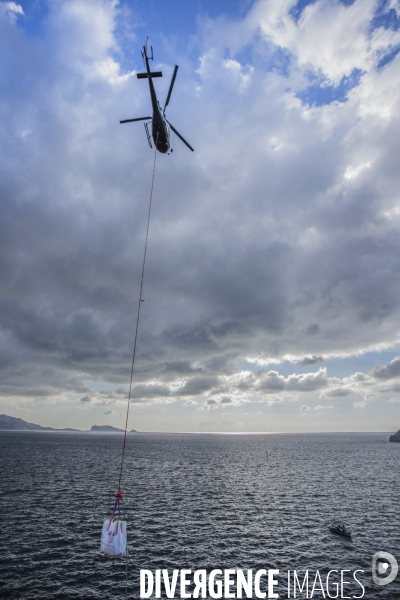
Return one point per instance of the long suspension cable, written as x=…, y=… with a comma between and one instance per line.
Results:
x=138, y=317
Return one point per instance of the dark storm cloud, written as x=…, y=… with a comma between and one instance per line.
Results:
x=273, y=382
x=198, y=385
x=226, y=400
x=141, y=391
x=310, y=360
x=313, y=329
x=181, y=367
x=212, y=404
x=389, y=371
x=308, y=382
x=338, y=392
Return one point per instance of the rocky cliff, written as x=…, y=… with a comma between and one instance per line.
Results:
x=106, y=428
x=15, y=424
x=8, y=423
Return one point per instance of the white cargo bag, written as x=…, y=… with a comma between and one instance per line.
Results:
x=113, y=537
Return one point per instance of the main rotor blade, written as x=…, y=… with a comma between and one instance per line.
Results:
x=180, y=137
x=171, y=86
x=138, y=119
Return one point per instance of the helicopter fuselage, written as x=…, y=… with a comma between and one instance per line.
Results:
x=160, y=128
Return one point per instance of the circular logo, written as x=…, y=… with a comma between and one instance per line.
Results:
x=386, y=560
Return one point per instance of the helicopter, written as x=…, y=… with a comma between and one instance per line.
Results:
x=160, y=126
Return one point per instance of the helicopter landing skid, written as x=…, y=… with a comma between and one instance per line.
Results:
x=146, y=126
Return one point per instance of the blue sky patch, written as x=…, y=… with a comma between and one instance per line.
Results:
x=387, y=19
x=34, y=17
x=388, y=58
x=319, y=94
x=297, y=10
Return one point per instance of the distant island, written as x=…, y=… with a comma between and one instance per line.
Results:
x=15, y=424
x=395, y=437
x=105, y=428
x=109, y=428
x=8, y=423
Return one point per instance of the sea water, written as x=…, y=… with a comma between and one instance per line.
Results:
x=194, y=502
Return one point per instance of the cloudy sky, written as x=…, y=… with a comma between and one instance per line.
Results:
x=272, y=285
